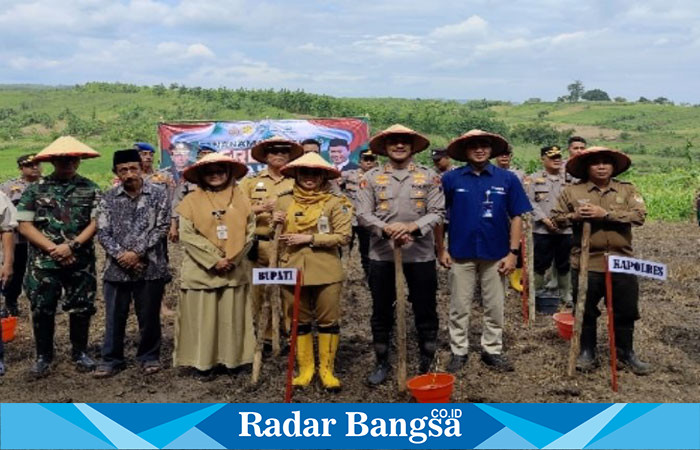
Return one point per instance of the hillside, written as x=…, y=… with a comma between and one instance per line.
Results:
x=663, y=140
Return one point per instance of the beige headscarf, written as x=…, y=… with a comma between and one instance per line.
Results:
x=201, y=208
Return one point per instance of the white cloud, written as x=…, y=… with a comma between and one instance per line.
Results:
x=183, y=51
x=473, y=26
x=22, y=63
x=392, y=46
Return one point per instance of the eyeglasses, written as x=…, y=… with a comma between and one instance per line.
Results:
x=369, y=158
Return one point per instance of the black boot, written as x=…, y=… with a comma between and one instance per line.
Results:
x=43, y=325
x=79, y=329
x=586, y=360
x=428, y=346
x=624, y=341
x=382, y=367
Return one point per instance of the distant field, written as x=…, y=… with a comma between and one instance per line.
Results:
x=663, y=140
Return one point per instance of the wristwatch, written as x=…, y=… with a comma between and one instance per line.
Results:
x=74, y=245
x=515, y=251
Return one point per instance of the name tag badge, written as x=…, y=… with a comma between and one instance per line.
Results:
x=324, y=226
x=222, y=232
x=488, y=210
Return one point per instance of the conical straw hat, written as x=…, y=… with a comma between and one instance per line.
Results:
x=66, y=146
x=577, y=165
x=192, y=173
x=258, y=151
x=378, y=142
x=456, y=150
x=311, y=160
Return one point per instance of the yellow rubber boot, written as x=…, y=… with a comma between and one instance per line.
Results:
x=305, y=360
x=516, y=281
x=327, y=348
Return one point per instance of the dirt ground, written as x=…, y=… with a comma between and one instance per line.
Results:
x=668, y=335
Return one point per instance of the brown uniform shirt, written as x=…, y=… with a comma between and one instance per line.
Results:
x=389, y=195
x=544, y=190
x=613, y=234
x=320, y=262
x=350, y=185
x=262, y=187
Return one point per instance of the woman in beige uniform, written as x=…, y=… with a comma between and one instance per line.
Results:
x=214, y=322
x=317, y=222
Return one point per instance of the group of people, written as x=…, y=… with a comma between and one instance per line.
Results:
x=302, y=211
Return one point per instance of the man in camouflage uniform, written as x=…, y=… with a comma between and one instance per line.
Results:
x=30, y=172
x=57, y=216
x=612, y=207
x=551, y=242
x=263, y=190
x=8, y=222
x=350, y=183
x=400, y=203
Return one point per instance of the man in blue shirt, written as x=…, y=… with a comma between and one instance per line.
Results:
x=485, y=204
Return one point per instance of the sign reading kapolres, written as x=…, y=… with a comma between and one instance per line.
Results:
x=179, y=141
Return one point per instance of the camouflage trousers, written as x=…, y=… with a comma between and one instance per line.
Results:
x=74, y=288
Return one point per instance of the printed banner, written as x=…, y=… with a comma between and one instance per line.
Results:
x=639, y=267
x=359, y=426
x=348, y=136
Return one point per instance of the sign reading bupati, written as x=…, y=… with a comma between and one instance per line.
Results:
x=179, y=141
x=649, y=269
x=275, y=276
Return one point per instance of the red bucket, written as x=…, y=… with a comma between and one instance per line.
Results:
x=9, y=325
x=431, y=387
x=565, y=324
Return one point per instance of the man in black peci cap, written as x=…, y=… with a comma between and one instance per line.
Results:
x=132, y=221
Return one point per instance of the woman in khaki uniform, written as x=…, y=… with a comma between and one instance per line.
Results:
x=317, y=222
x=214, y=322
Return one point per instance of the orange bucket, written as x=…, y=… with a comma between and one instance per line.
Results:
x=9, y=325
x=565, y=324
x=431, y=387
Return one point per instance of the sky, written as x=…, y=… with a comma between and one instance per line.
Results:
x=454, y=49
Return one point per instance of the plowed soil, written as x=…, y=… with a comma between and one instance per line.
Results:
x=668, y=335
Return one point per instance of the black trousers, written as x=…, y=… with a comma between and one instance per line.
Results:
x=147, y=297
x=421, y=278
x=625, y=291
x=363, y=235
x=12, y=290
x=552, y=247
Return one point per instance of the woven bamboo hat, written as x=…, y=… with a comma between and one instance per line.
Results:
x=577, y=165
x=456, y=148
x=66, y=146
x=192, y=173
x=378, y=141
x=311, y=160
x=258, y=151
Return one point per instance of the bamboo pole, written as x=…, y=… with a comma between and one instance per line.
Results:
x=268, y=311
x=581, y=298
x=611, y=325
x=530, y=246
x=400, y=319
